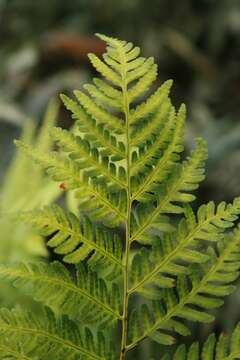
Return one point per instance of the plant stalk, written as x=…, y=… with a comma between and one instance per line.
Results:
x=128, y=218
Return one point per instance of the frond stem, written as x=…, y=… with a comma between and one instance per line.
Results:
x=128, y=218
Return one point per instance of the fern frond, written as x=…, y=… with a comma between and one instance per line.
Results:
x=123, y=58
x=108, y=90
x=97, y=134
x=152, y=168
x=105, y=70
x=139, y=72
x=103, y=99
x=226, y=347
x=92, y=195
x=72, y=239
x=146, y=156
x=153, y=103
x=146, y=132
x=99, y=113
x=171, y=254
x=195, y=294
x=44, y=334
x=143, y=84
x=90, y=160
x=87, y=298
x=183, y=179
x=123, y=160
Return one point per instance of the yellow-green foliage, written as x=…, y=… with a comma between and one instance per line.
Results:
x=225, y=347
x=143, y=257
x=26, y=187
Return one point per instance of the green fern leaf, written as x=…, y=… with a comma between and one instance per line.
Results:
x=145, y=133
x=105, y=70
x=183, y=179
x=108, y=90
x=89, y=159
x=92, y=195
x=87, y=299
x=143, y=84
x=147, y=171
x=209, y=283
x=152, y=104
x=98, y=112
x=103, y=99
x=98, y=135
x=74, y=240
x=47, y=336
x=155, y=266
x=225, y=348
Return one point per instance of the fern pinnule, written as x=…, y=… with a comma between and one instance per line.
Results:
x=97, y=134
x=67, y=234
x=92, y=194
x=172, y=254
x=105, y=70
x=152, y=104
x=154, y=163
x=147, y=153
x=107, y=89
x=98, y=112
x=143, y=84
x=44, y=334
x=90, y=160
x=86, y=299
x=170, y=196
x=143, y=134
x=194, y=295
x=103, y=99
x=226, y=347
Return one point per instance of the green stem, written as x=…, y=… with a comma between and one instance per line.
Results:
x=128, y=218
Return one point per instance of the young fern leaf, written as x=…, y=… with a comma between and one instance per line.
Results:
x=226, y=347
x=195, y=294
x=47, y=337
x=124, y=162
x=86, y=299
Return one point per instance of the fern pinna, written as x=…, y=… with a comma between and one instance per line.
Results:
x=143, y=258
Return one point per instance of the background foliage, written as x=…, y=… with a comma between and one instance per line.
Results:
x=43, y=52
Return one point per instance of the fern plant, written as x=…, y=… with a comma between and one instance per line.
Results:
x=142, y=257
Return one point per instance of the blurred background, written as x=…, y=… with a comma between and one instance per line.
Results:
x=43, y=52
